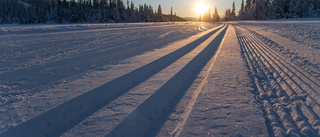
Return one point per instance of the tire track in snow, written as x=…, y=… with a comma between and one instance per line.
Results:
x=288, y=94
x=81, y=107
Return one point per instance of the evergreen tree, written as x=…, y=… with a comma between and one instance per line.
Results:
x=233, y=12
x=259, y=10
x=206, y=17
x=216, y=17
x=228, y=15
x=278, y=9
x=311, y=9
x=242, y=11
x=268, y=9
x=248, y=6
x=292, y=9
x=248, y=10
x=159, y=10
x=171, y=14
x=160, y=17
x=133, y=15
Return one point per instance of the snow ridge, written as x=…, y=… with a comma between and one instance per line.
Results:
x=288, y=94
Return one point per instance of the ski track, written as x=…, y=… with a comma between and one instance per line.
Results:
x=288, y=94
x=49, y=67
x=76, y=109
x=301, y=53
x=156, y=104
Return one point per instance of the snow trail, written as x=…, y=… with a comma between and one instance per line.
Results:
x=156, y=104
x=184, y=117
x=224, y=106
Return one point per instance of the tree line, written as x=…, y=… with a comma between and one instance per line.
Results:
x=207, y=17
x=274, y=9
x=64, y=11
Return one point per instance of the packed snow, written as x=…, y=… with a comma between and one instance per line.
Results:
x=253, y=78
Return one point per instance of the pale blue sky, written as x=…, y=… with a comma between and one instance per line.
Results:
x=186, y=8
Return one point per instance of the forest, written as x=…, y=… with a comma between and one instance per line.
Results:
x=77, y=11
x=115, y=11
x=276, y=9
x=268, y=9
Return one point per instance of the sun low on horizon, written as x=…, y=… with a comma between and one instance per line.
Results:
x=201, y=7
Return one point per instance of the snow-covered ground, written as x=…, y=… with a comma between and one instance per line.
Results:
x=253, y=78
x=297, y=39
x=283, y=58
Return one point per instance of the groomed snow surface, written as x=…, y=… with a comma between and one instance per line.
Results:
x=251, y=78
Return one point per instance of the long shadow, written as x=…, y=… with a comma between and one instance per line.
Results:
x=64, y=117
x=63, y=69
x=156, y=109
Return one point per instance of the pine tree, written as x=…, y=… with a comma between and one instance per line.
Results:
x=133, y=13
x=233, y=12
x=311, y=9
x=216, y=17
x=292, y=9
x=206, y=16
x=258, y=10
x=227, y=15
x=248, y=10
x=141, y=13
x=171, y=14
x=248, y=6
x=268, y=10
x=160, y=10
x=278, y=9
x=159, y=18
x=242, y=10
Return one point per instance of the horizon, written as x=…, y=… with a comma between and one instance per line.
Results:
x=179, y=6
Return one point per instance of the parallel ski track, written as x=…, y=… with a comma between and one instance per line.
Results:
x=43, y=82
x=158, y=103
x=81, y=107
x=289, y=95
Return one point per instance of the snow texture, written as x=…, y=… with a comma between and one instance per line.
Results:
x=253, y=78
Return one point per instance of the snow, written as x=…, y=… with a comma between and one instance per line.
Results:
x=298, y=39
x=251, y=78
x=137, y=95
x=228, y=83
x=59, y=59
x=287, y=89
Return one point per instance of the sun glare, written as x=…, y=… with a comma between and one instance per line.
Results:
x=201, y=7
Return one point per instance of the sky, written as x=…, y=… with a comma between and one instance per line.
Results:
x=186, y=8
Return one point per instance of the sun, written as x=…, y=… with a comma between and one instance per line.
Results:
x=201, y=7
